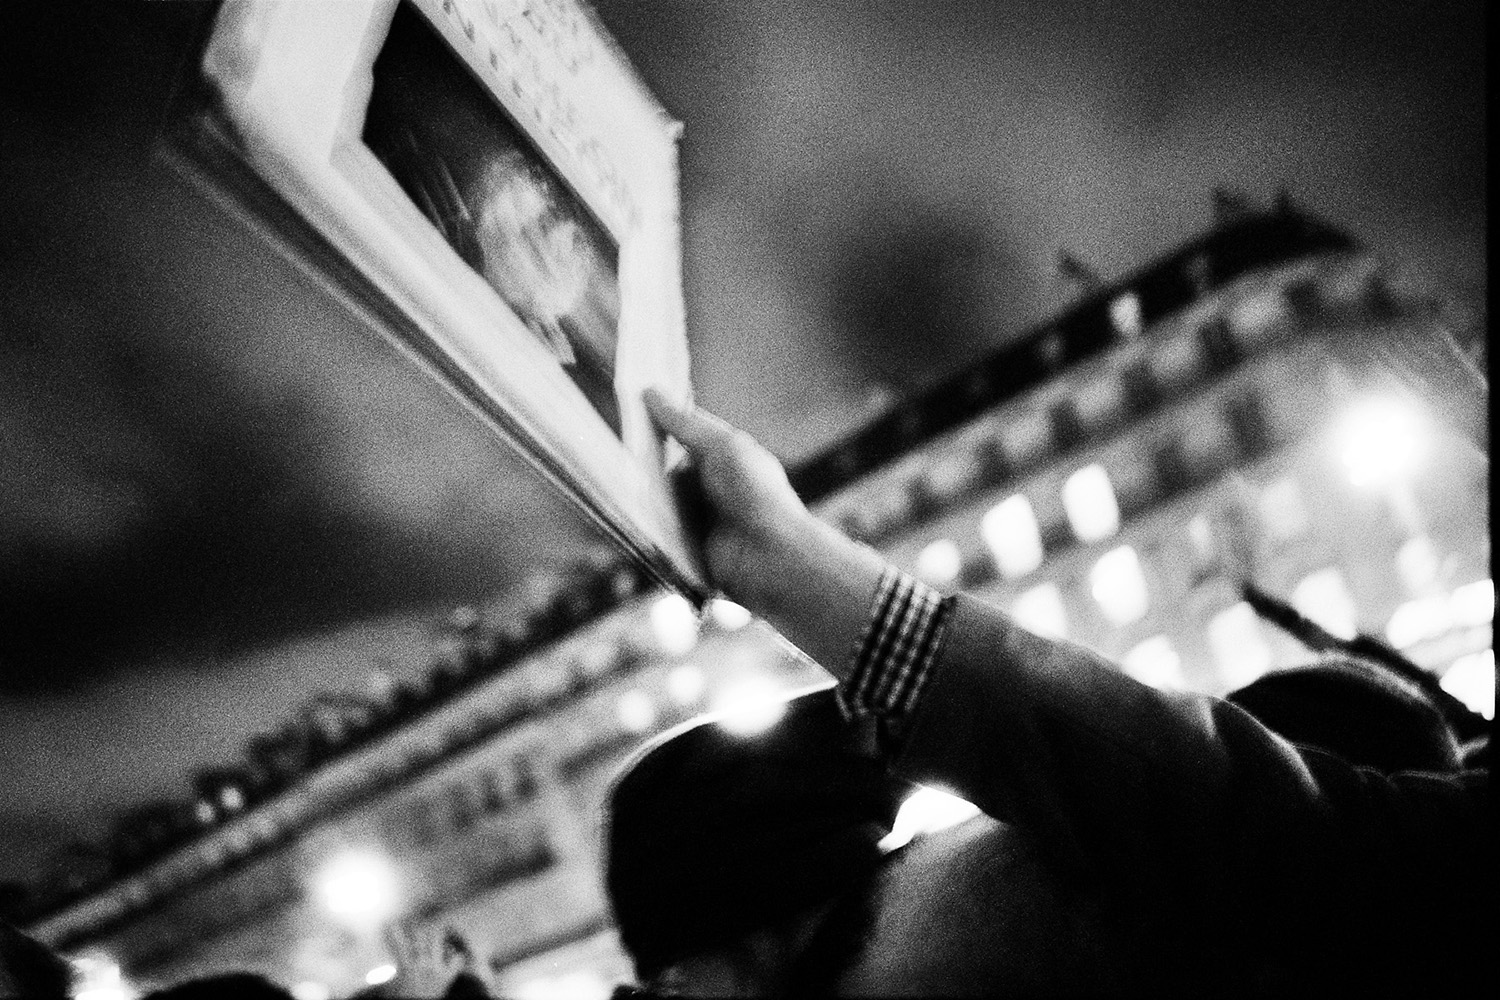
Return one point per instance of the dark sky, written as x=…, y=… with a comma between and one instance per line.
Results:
x=213, y=499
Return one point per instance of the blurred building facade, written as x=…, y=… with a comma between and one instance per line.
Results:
x=1115, y=477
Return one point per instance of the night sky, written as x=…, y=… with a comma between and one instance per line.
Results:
x=213, y=502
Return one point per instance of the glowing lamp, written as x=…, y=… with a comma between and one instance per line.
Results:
x=1379, y=442
x=750, y=707
x=358, y=888
x=728, y=615
x=674, y=624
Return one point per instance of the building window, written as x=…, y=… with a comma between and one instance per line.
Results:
x=1417, y=564
x=1418, y=620
x=1324, y=597
x=1119, y=585
x=1155, y=662
x=1010, y=530
x=1239, y=646
x=1471, y=679
x=940, y=562
x=1089, y=500
x=1201, y=534
x=1040, y=609
x=1125, y=315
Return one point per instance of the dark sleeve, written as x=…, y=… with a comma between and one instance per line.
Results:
x=1170, y=801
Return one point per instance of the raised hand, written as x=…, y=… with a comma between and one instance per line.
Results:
x=763, y=547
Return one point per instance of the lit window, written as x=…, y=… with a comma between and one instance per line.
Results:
x=675, y=624
x=1323, y=597
x=635, y=711
x=1417, y=563
x=311, y=990
x=1119, y=585
x=940, y=562
x=1090, y=502
x=1282, y=512
x=927, y=810
x=1125, y=315
x=1010, y=530
x=1419, y=620
x=1155, y=662
x=1474, y=603
x=1471, y=680
x=1040, y=609
x=1257, y=312
x=1238, y=645
x=686, y=683
x=1201, y=533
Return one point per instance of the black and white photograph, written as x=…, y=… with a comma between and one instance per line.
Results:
x=497, y=202
x=608, y=499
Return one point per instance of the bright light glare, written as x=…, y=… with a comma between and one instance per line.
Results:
x=675, y=624
x=1119, y=585
x=635, y=711
x=311, y=990
x=940, y=562
x=751, y=706
x=98, y=977
x=1418, y=620
x=1040, y=609
x=1089, y=500
x=580, y=985
x=358, y=887
x=1323, y=597
x=1154, y=661
x=102, y=993
x=728, y=615
x=927, y=810
x=1010, y=530
x=1471, y=680
x=1379, y=442
x=1474, y=603
x=686, y=683
x=381, y=974
x=1238, y=645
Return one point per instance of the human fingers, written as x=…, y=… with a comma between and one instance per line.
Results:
x=699, y=431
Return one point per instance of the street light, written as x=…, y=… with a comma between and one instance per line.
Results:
x=1379, y=441
x=359, y=888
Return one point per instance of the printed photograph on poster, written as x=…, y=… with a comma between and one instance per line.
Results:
x=497, y=201
x=497, y=188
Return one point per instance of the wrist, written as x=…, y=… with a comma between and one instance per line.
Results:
x=817, y=590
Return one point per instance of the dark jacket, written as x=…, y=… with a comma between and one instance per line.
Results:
x=1247, y=864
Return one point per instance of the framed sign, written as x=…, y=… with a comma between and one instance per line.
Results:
x=493, y=185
